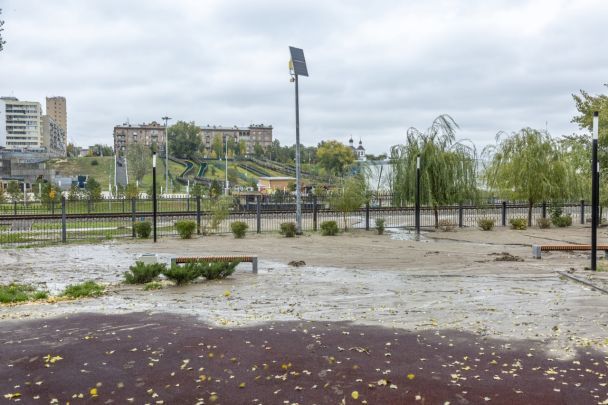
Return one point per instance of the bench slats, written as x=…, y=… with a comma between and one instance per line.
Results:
x=537, y=249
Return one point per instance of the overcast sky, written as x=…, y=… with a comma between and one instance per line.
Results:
x=376, y=67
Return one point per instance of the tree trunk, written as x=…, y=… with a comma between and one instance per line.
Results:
x=530, y=205
x=436, y=212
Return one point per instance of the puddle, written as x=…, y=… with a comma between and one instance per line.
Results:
x=407, y=234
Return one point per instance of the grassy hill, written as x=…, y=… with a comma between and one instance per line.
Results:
x=85, y=166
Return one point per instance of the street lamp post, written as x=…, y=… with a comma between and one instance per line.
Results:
x=417, y=214
x=297, y=67
x=595, y=190
x=154, y=194
x=166, y=119
x=226, y=188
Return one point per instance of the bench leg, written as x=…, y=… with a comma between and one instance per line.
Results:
x=254, y=265
x=536, y=252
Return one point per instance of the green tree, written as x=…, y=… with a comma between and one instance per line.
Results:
x=184, y=140
x=215, y=189
x=131, y=191
x=587, y=104
x=197, y=190
x=72, y=150
x=217, y=145
x=2, y=197
x=138, y=160
x=93, y=189
x=14, y=190
x=74, y=193
x=2, y=42
x=529, y=165
x=350, y=197
x=447, y=166
x=51, y=193
x=258, y=150
x=335, y=157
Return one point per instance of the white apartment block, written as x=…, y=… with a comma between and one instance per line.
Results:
x=20, y=124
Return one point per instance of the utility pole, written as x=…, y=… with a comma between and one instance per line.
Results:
x=166, y=119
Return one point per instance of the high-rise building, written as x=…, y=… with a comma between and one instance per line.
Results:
x=254, y=134
x=20, y=124
x=53, y=137
x=56, y=109
x=147, y=134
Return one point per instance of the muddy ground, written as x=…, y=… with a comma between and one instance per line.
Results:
x=458, y=280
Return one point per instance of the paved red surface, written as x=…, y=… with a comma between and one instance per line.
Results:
x=141, y=358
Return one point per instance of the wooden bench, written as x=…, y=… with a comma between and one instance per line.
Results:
x=538, y=249
x=209, y=259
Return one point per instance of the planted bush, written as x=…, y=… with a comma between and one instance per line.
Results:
x=543, y=223
x=19, y=293
x=562, y=221
x=519, y=224
x=217, y=270
x=380, y=225
x=86, y=289
x=288, y=229
x=446, y=225
x=329, y=228
x=185, y=228
x=143, y=273
x=183, y=274
x=153, y=285
x=239, y=228
x=486, y=224
x=142, y=229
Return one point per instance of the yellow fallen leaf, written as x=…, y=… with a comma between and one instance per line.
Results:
x=202, y=378
x=242, y=385
x=213, y=398
x=13, y=395
x=411, y=376
x=226, y=293
x=355, y=395
x=93, y=392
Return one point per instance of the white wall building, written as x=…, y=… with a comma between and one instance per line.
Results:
x=20, y=124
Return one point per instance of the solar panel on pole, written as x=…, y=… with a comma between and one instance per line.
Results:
x=298, y=61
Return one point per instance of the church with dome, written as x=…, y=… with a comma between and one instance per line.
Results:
x=359, y=151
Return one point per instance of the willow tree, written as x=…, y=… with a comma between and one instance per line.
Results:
x=448, y=167
x=529, y=165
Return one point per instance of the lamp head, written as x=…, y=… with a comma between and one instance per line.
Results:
x=596, y=122
x=154, y=159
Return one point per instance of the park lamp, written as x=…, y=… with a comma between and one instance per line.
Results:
x=154, y=160
x=418, y=162
x=596, y=121
x=595, y=190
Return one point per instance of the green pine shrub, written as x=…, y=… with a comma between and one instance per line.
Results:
x=142, y=273
x=217, y=270
x=562, y=221
x=185, y=228
x=183, y=274
x=486, y=224
x=519, y=224
x=329, y=228
x=239, y=228
x=543, y=223
x=380, y=225
x=288, y=229
x=143, y=229
x=82, y=290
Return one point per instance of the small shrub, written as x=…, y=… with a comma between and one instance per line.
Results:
x=143, y=229
x=519, y=224
x=143, y=273
x=380, y=225
x=446, y=225
x=288, y=229
x=86, y=289
x=555, y=212
x=153, y=285
x=185, y=228
x=94, y=162
x=217, y=270
x=183, y=274
x=329, y=228
x=543, y=223
x=239, y=229
x=562, y=221
x=19, y=293
x=486, y=224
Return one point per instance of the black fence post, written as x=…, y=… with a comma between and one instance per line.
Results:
x=64, y=234
x=123, y=205
x=582, y=212
x=188, y=204
x=258, y=214
x=504, y=213
x=89, y=205
x=133, y=217
x=314, y=213
x=460, y=215
x=198, y=214
x=367, y=216
x=544, y=209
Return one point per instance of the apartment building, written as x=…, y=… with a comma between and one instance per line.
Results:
x=20, y=124
x=147, y=134
x=260, y=134
x=53, y=137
